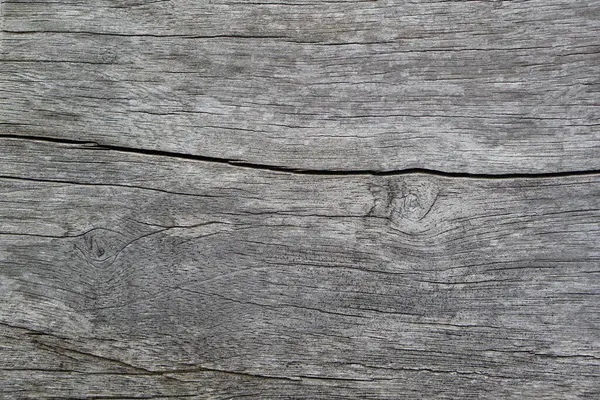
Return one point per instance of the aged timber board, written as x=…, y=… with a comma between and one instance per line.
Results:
x=477, y=86
x=129, y=275
x=272, y=200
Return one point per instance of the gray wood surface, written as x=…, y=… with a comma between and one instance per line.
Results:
x=477, y=86
x=129, y=275
x=299, y=200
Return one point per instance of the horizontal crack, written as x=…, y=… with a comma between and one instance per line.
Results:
x=70, y=182
x=144, y=35
x=96, y=146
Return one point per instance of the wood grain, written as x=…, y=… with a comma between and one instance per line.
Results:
x=219, y=199
x=459, y=86
x=130, y=275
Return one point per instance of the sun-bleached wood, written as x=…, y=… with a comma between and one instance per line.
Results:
x=130, y=275
x=219, y=199
x=460, y=86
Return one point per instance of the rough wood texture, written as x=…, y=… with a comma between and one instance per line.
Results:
x=303, y=200
x=136, y=275
x=476, y=86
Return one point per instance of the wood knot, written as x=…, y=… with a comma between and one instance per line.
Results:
x=415, y=199
x=100, y=245
x=406, y=200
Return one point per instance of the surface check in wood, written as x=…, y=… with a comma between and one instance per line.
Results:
x=303, y=200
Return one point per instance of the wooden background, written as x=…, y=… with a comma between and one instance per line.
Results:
x=219, y=199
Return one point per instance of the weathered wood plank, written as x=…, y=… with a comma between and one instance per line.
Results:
x=463, y=86
x=129, y=275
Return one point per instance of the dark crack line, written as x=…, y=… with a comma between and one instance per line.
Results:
x=144, y=35
x=133, y=187
x=95, y=146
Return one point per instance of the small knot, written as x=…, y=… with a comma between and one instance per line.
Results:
x=405, y=201
x=416, y=199
x=99, y=244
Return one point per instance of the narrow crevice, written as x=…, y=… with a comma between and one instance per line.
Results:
x=144, y=35
x=95, y=146
x=118, y=185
